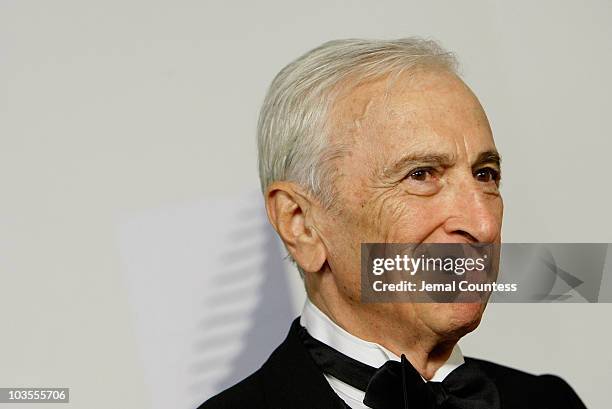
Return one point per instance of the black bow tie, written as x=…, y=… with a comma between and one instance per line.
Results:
x=397, y=385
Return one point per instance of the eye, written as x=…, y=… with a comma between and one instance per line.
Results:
x=423, y=181
x=487, y=175
x=421, y=174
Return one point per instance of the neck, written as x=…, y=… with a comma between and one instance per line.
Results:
x=393, y=326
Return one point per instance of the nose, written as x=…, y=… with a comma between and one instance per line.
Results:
x=474, y=215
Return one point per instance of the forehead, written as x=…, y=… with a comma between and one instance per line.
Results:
x=411, y=110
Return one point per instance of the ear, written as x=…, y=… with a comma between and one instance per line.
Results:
x=290, y=211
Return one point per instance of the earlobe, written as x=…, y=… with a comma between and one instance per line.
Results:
x=290, y=212
x=313, y=254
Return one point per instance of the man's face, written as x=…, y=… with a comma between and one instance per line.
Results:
x=422, y=168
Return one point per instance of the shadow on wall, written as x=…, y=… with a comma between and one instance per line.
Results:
x=209, y=293
x=253, y=263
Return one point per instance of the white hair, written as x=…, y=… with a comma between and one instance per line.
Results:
x=292, y=133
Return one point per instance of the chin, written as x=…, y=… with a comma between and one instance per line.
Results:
x=455, y=319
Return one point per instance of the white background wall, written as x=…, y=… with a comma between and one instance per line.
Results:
x=127, y=153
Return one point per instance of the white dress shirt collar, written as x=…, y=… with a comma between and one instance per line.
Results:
x=321, y=327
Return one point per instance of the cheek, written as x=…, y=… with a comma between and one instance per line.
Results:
x=409, y=219
x=343, y=238
x=500, y=209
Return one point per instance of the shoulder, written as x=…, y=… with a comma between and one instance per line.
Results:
x=254, y=391
x=245, y=394
x=537, y=388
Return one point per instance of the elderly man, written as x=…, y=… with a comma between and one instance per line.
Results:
x=379, y=142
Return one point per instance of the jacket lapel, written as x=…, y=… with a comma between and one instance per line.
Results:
x=507, y=388
x=291, y=379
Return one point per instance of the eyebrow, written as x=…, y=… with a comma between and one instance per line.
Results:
x=437, y=159
x=490, y=156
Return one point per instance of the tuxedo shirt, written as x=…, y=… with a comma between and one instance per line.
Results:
x=321, y=327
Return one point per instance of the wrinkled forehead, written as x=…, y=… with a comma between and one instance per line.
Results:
x=434, y=105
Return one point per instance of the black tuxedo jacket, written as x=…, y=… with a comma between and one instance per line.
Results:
x=289, y=379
